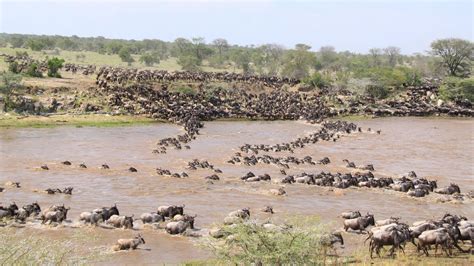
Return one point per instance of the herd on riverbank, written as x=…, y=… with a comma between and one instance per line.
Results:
x=450, y=231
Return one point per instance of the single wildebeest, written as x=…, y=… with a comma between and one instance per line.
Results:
x=451, y=189
x=351, y=214
x=170, y=211
x=387, y=221
x=395, y=235
x=329, y=240
x=27, y=210
x=359, y=223
x=92, y=217
x=125, y=244
x=180, y=227
x=237, y=216
x=55, y=216
x=8, y=212
x=108, y=212
x=152, y=217
x=435, y=237
x=121, y=221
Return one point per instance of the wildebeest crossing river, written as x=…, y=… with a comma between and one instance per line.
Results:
x=436, y=148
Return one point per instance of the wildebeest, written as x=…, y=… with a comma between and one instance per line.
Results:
x=121, y=221
x=351, y=214
x=435, y=237
x=451, y=189
x=237, y=216
x=387, y=221
x=125, y=244
x=394, y=235
x=59, y=215
x=92, y=217
x=330, y=239
x=152, y=217
x=179, y=227
x=28, y=210
x=170, y=210
x=10, y=211
x=108, y=212
x=359, y=223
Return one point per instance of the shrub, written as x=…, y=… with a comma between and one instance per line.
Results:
x=377, y=91
x=149, y=59
x=189, y=63
x=13, y=67
x=9, y=81
x=250, y=243
x=185, y=90
x=33, y=71
x=318, y=80
x=54, y=65
x=454, y=88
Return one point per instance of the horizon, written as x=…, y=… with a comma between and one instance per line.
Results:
x=409, y=26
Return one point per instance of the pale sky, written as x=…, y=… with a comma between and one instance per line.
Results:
x=347, y=25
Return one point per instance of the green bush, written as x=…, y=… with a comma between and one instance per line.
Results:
x=318, y=80
x=189, y=63
x=377, y=91
x=299, y=243
x=454, y=88
x=13, y=67
x=185, y=90
x=9, y=82
x=33, y=71
x=54, y=64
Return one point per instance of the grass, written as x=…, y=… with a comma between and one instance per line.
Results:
x=97, y=59
x=16, y=121
x=37, y=249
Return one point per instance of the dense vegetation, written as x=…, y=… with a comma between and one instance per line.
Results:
x=377, y=73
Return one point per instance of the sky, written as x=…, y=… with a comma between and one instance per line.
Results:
x=356, y=25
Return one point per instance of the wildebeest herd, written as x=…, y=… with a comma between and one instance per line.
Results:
x=132, y=90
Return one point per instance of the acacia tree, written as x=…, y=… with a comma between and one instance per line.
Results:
x=456, y=55
x=298, y=62
x=125, y=55
x=375, y=54
x=392, y=54
x=221, y=44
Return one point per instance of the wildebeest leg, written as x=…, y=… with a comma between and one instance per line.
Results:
x=459, y=248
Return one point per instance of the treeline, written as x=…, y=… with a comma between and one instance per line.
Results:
x=381, y=67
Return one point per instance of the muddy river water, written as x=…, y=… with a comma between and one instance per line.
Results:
x=437, y=148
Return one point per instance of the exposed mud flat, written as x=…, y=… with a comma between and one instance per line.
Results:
x=440, y=149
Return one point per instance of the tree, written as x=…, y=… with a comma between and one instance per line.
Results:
x=267, y=58
x=35, y=45
x=200, y=49
x=392, y=54
x=456, y=55
x=149, y=59
x=54, y=64
x=221, y=45
x=125, y=55
x=189, y=62
x=241, y=58
x=327, y=56
x=33, y=71
x=375, y=55
x=181, y=46
x=9, y=81
x=298, y=62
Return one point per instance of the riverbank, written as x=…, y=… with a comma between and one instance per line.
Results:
x=91, y=120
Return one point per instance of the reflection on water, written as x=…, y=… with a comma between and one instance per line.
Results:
x=441, y=149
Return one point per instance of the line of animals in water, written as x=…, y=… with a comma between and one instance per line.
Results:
x=448, y=232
